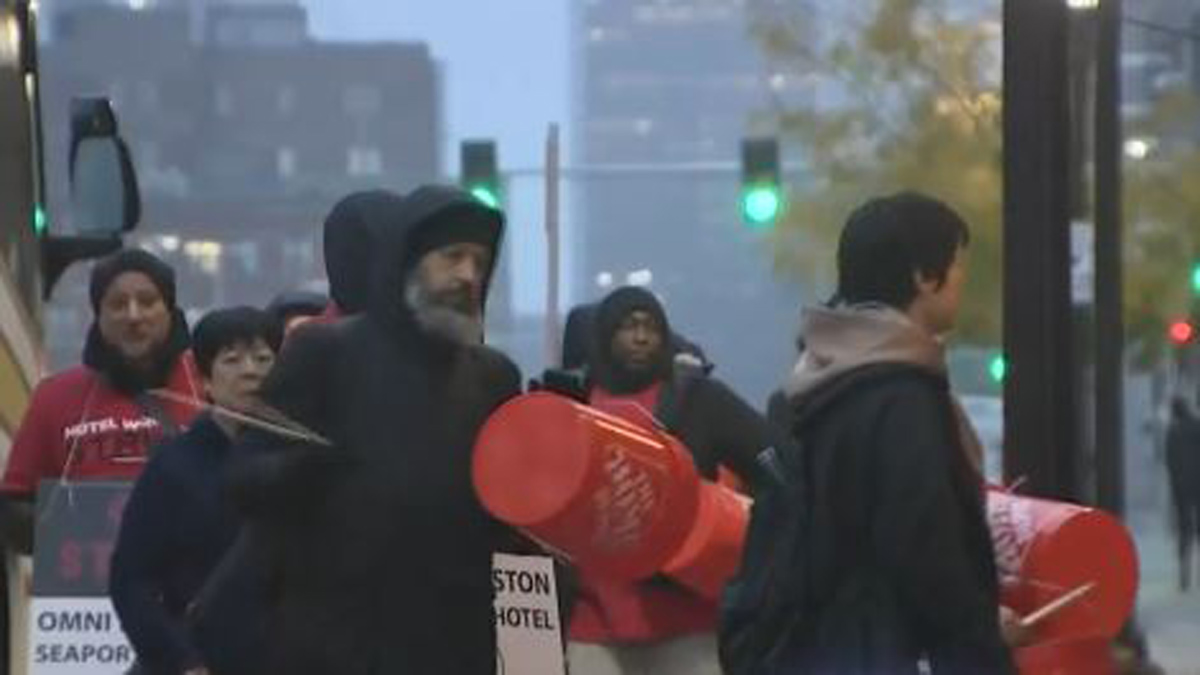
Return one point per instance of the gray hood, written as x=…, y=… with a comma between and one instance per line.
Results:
x=839, y=340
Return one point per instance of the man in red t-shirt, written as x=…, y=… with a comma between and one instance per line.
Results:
x=99, y=419
x=656, y=626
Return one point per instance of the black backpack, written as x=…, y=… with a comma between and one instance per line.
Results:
x=765, y=613
x=762, y=607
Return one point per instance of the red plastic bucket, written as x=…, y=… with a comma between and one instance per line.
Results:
x=617, y=498
x=1084, y=656
x=713, y=549
x=1046, y=549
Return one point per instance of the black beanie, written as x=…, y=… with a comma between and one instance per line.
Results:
x=622, y=302
x=132, y=260
x=466, y=222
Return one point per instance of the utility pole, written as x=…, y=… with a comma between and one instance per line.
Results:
x=1109, y=324
x=1041, y=437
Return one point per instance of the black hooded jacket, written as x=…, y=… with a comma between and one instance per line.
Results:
x=382, y=553
x=886, y=553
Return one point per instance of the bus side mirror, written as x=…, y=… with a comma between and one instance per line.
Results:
x=105, y=201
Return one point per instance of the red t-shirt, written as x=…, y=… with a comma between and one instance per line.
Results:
x=78, y=427
x=609, y=612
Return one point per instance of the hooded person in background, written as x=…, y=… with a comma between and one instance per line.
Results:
x=892, y=568
x=658, y=627
x=99, y=419
x=381, y=553
x=1183, y=470
x=292, y=309
x=579, y=332
x=352, y=232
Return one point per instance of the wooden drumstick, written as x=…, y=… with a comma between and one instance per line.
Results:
x=292, y=430
x=1054, y=606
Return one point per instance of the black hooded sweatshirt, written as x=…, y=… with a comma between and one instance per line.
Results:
x=381, y=551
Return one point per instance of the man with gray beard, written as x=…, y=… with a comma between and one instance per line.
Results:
x=381, y=553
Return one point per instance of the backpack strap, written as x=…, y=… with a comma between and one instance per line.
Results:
x=677, y=393
x=153, y=407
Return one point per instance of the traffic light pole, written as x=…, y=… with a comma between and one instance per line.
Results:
x=1041, y=438
x=553, y=344
x=1109, y=323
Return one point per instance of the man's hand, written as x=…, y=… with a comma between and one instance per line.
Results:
x=1014, y=632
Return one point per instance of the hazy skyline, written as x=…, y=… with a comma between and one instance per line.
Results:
x=506, y=73
x=505, y=63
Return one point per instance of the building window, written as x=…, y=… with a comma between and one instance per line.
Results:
x=223, y=100
x=285, y=163
x=247, y=255
x=362, y=100
x=364, y=161
x=298, y=258
x=285, y=101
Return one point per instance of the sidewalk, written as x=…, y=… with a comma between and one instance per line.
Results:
x=1171, y=620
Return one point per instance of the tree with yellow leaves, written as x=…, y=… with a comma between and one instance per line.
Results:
x=907, y=95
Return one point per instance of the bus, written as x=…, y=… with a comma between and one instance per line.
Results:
x=104, y=204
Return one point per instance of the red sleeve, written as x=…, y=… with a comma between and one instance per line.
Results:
x=33, y=448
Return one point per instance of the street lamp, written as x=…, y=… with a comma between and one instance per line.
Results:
x=1138, y=148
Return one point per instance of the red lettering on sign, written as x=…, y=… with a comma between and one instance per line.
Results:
x=101, y=556
x=70, y=561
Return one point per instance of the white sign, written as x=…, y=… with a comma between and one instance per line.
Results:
x=1083, y=263
x=528, y=631
x=77, y=636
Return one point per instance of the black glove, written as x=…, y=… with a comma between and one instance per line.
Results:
x=569, y=383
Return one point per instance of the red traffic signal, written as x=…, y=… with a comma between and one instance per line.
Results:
x=1181, y=332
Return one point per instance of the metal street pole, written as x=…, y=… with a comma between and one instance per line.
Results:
x=1041, y=441
x=1109, y=323
x=553, y=182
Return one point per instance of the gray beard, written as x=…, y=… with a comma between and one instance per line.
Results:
x=441, y=320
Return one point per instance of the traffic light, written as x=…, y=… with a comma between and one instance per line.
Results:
x=762, y=199
x=1181, y=332
x=1196, y=278
x=998, y=368
x=39, y=220
x=480, y=175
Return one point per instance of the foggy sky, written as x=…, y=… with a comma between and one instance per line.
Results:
x=505, y=62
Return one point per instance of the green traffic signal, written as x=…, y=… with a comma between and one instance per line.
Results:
x=998, y=368
x=761, y=204
x=1196, y=278
x=480, y=172
x=39, y=220
x=486, y=195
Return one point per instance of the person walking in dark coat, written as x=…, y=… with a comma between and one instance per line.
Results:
x=1183, y=469
x=891, y=568
x=381, y=552
x=178, y=523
